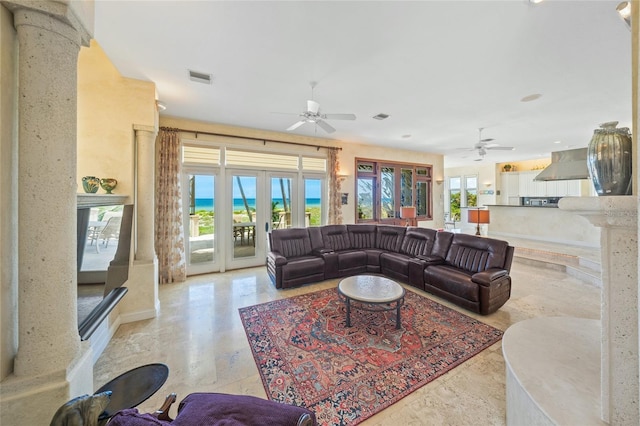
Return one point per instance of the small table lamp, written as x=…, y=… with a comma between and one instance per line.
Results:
x=478, y=216
x=407, y=213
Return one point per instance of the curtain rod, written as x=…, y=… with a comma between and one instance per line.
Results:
x=264, y=141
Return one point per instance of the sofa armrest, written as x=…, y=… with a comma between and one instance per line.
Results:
x=321, y=251
x=276, y=258
x=430, y=260
x=487, y=277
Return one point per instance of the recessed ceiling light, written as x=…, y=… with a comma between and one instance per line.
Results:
x=535, y=1
x=558, y=142
x=406, y=136
x=199, y=77
x=531, y=97
x=381, y=116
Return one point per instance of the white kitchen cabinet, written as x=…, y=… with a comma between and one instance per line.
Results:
x=509, y=184
x=522, y=184
x=529, y=187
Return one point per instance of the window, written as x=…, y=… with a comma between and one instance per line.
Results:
x=454, y=198
x=462, y=192
x=471, y=190
x=382, y=188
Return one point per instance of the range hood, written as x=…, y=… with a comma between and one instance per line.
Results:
x=566, y=165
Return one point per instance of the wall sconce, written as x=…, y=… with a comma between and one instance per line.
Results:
x=439, y=181
x=407, y=213
x=478, y=216
x=624, y=10
x=161, y=105
x=342, y=176
x=487, y=184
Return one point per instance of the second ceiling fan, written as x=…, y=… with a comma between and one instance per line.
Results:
x=483, y=145
x=313, y=115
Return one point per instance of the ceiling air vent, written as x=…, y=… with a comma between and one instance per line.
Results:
x=199, y=77
x=381, y=116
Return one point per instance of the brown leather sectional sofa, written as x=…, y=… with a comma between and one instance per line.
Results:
x=470, y=271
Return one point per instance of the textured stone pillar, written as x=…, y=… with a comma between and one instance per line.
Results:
x=145, y=191
x=142, y=300
x=48, y=55
x=618, y=219
x=51, y=364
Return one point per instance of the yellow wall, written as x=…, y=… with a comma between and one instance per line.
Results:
x=108, y=107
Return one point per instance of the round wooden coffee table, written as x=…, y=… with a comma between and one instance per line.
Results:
x=372, y=290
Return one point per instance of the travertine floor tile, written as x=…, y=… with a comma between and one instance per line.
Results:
x=199, y=335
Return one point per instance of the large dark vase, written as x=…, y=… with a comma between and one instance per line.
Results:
x=609, y=159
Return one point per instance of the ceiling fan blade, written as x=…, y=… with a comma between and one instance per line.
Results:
x=325, y=126
x=313, y=107
x=296, y=125
x=486, y=140
x=501, y=148
x=339, y=116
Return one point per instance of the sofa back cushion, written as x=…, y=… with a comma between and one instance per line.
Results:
x=390, y=237
x=476, y=254
x=362, y=236
x=418, y=241
x=442, y=244
x=336, y=237
x=291, y=242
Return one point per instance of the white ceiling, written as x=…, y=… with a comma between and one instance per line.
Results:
x=440, y=69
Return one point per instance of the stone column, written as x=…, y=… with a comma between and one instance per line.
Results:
x=618, y=219
x=142, y=300
x=145, y=191
x=51, y=365
x=48, y=54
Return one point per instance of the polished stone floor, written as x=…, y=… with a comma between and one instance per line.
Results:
x=199, y=335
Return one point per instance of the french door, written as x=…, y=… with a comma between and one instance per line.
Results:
x=228, y=214
x=200, y=221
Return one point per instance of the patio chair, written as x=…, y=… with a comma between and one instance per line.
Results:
x=111, y=230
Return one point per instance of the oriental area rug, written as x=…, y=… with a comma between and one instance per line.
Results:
x=307, y=357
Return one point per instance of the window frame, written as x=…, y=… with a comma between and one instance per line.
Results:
x=420, y=173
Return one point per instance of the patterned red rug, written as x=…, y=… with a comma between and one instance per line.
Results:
x=307, y=357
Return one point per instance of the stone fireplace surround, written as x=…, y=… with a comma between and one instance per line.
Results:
x=573, y=370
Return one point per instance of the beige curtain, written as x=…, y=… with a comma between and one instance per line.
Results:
x=169, y=236
x=335, y=195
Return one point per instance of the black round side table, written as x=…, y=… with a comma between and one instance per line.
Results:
x=133, y=387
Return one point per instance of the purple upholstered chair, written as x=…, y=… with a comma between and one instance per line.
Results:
x=218, y=409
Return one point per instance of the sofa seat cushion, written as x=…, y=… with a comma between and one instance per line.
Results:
x=350, y=259
x=373, y=257
x=395, y=262
x=453, y=281
x=302, y=267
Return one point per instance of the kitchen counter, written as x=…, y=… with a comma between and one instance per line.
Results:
x=542, y=223
x=546, y=206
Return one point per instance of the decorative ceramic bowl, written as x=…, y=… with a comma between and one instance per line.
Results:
x=108, y=184
x=90, y=184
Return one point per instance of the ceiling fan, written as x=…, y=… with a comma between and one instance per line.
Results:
x=313, y=115
x=484, y=144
